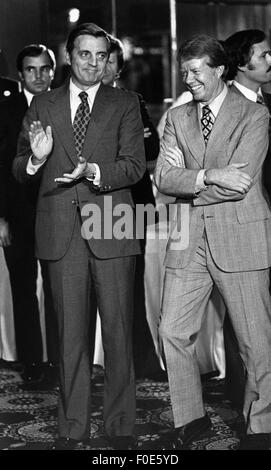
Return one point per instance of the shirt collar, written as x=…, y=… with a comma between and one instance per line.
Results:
x=29, y=96
x=247, y=92
x=216, y=104
x=91, y=91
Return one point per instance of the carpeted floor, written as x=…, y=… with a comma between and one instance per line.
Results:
x=28, y=418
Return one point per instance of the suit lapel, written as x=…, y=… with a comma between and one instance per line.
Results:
x=226, y=119
x=60, y=113
x=191, y=130
x=102, y=111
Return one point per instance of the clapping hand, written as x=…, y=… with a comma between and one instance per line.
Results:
x=41, y=142
x=82, y=170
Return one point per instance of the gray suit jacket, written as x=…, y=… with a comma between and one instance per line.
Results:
x=238, y=227
x=114, y=141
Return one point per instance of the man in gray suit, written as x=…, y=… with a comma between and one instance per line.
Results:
x=87, y=147
x=223, y=139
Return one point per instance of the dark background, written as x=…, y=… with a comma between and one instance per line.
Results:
x=143, y=24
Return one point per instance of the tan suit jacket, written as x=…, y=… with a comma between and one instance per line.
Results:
x=238, y=227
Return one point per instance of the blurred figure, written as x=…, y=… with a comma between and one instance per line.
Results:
x=35, y=65
x=145, y=359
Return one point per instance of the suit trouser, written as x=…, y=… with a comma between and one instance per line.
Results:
x=246, y=296
x=72, y=277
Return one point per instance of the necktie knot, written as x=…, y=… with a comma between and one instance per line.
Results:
x=207, y=122
x=206, y=110
x=84, y=97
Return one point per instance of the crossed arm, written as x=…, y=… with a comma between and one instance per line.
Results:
x=222, y=184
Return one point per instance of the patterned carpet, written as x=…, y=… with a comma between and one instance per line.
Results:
x=28, y=418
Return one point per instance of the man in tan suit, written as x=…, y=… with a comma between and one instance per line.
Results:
x=223, y=140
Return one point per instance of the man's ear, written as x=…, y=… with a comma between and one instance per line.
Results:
x=21, y=77
x=220, y=70
x=242, y=68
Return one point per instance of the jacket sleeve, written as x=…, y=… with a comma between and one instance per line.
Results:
x=251, y=148
x=24, y=151
x=130, y=163
x=169, y=179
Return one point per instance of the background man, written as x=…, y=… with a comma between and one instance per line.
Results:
x=224, y=140
x=91, y=134
x=35, y=65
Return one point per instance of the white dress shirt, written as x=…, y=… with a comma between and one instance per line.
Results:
x=28, y=96
x=247, y=92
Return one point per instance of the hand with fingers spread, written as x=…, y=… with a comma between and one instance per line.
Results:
x=175, y=157
x=230, y=177
x=82, y=170
x=5, y=235
x=41, y=142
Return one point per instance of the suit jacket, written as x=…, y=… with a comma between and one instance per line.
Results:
x=237, y=226
x=17, y=202
x=114, y=140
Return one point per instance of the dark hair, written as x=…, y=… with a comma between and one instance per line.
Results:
x=34, y=50
x=117, y=46
x=86, y=28
x=238, y=48
x=203, y=45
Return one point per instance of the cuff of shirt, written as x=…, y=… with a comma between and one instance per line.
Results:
x=32, y=169
x=97, y=178
x=200, y=184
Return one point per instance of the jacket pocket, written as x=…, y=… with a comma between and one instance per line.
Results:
x=252, y=213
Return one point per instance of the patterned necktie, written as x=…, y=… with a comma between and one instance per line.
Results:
x=207, y=122
x=260, y=99
x=80, y=123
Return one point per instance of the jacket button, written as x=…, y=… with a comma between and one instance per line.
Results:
x=74, y=201
x=202, y=216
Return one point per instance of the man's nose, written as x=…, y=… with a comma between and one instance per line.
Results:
x=37, y=73
x=92, y=61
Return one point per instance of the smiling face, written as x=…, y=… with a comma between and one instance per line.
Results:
x=88, y=60
x=37, y=73
x=203, y=81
